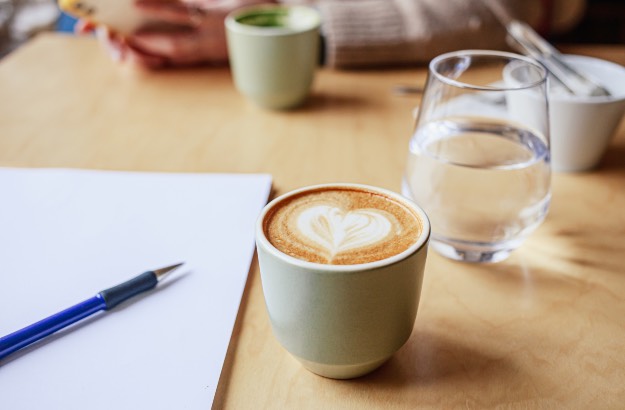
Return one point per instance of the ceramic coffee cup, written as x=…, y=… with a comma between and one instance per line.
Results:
x=341, y=269
x=581, y=128
x=274, y=52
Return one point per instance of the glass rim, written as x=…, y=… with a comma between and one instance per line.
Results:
x=436, y=61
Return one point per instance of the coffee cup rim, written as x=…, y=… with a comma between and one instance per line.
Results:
x=421, y=242
x=233, y=25
x=578, y=58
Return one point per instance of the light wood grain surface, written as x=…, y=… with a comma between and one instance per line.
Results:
x=544, y=329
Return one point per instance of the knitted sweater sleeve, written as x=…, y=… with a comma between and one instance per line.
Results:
x=370, y=33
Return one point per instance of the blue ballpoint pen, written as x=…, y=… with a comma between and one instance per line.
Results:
x=105, y=300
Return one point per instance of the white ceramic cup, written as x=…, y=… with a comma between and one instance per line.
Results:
x=581, y=128
x=274, y=52
x=342, y=321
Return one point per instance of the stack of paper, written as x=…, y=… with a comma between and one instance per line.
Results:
x=67, y=234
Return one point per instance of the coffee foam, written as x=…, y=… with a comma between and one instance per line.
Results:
x=341, y=226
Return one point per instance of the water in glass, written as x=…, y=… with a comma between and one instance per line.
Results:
x=485, y=184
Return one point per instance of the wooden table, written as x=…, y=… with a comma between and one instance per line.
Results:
x=544, y=329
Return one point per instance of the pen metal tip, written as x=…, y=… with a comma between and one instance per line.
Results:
x=160, y=273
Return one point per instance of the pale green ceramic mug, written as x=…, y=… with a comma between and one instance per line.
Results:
x=341, y=268
x=274, y=52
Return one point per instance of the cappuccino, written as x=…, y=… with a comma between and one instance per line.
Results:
x=341, y=268
x=341, y=225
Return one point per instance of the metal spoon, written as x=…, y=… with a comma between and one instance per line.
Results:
x=529, y=42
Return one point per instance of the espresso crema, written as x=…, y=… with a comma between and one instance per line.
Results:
x=341, y=226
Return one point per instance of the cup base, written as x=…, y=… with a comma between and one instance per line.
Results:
x=473, y=253
x=279, y=104
x=340, y=371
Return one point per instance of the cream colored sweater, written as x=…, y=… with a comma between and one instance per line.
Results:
x=373, y=33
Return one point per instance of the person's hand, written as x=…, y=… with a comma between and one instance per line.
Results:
x=195, y=34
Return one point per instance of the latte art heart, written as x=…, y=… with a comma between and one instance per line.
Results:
x=336, y=230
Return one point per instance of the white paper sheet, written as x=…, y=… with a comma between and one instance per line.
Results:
x=65, y=235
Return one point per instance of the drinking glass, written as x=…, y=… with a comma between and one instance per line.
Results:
x=479, y=162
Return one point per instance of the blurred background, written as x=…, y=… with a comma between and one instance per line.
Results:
x=602, y=22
